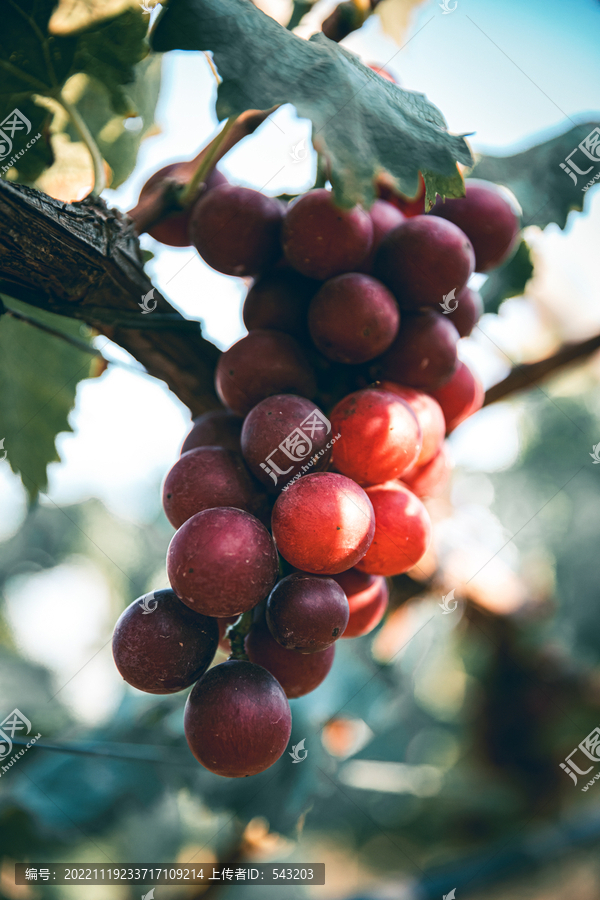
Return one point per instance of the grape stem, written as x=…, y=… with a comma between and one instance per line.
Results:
x=206, y=162
x=236, y=634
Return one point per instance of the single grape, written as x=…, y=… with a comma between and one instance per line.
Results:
x=385, y=217
x=279, y=301
x=422, y=260
x=429, y=416
x=237, y=719
x=367, y=599
x=353, y=318
x=489, y=215
x=307, y=613
x=208, y=477
x=173, y=230
x=323, y=523
x=459, y=397
x=216, y=428
x=402, y=530
x=321, y=240
x=424, y=354
x=259, y=365
x=431, y=479
x=160, y=646
x=282, y=437
x=297, y=673
x=236, y=230
x=380, y=436
x=222, y=562
x=408, y=206
x=469, y=309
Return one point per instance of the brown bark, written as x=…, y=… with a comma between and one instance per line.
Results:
x=83, y=260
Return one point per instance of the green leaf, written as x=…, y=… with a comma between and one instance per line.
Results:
x=545, y=190
x=39, y=374
x=117, y=144
x=34, y=62
x=362, y=124
x=509, y=280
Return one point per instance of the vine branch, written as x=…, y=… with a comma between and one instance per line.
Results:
x=525, y=376
x=84, y=260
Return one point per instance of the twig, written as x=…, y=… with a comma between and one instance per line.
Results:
x=206, y=164
x=525, y=376
x=88, y=139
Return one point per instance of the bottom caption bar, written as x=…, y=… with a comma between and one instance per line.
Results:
x=97, y=873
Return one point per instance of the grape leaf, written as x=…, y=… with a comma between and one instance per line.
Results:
x=508, y=280
x=547, y=192
x=35, y=62
x=118, y=145
x=39, y=374
x=362, y=124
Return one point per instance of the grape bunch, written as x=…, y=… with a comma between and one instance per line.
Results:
x=297, y=499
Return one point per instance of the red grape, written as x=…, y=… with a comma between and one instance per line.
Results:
x=160, y=646
x=174, y=229
x=281, y=436
x=460, y=397
x=323, y=523
x=431, y=479
x=385, y=216
x=259, y=365
x=207, y=477
x=422, y=260
x=222, y=562
x=216, y=428
x=307, y=613
x=489, y=216
x=321, y=240
x=279, y=301
x=367, y=598
x=424, y=353
x=429, y=416
x=353, y=318
x=237, y=719
x=236, y=230
x=380, y=436
x=408, y=206
x=402, y=530
x=468, y=311
x=297, y=673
